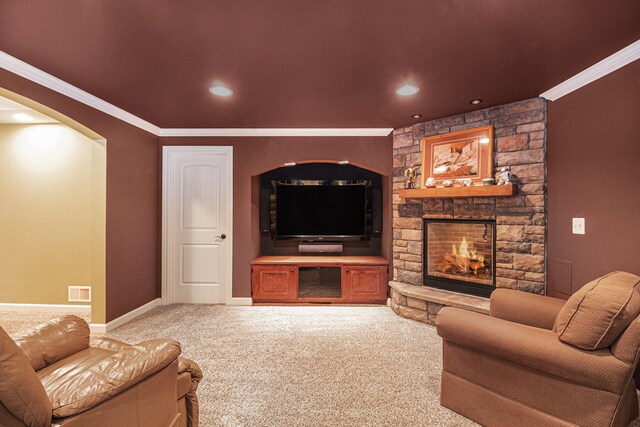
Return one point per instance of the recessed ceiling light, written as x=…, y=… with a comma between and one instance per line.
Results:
x=407, y=90
x=290, y=164
x=484, y=141
x=22, y=117
x=220, y=90
x=343, y=162
x=475, y=101
x=417, y=116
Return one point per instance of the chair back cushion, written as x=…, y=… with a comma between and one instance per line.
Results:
x=54, y=340
x=595, y=316
x=21, y=392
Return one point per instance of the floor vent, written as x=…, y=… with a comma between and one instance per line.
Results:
x=79, y=293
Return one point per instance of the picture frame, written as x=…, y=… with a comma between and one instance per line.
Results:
x=465, y=154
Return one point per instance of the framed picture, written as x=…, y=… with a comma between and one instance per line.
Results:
x=457, y=155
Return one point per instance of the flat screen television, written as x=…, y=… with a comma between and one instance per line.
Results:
x=321, y=211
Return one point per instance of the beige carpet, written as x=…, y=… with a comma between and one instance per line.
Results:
x=301, y=365
x=305, y=366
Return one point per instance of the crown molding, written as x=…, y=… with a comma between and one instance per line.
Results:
x=617, y=60
x=238, y=132
x=36, y=75
x=29, y=72
x=608, y=65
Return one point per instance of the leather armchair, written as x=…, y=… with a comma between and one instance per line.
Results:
x=511, y=369
x=51, y=376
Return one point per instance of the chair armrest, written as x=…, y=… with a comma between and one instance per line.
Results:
x=76, y=392
x=109, y=344
x=525, y=308
x=533, y=347
x=191, y=399
x=188, y=365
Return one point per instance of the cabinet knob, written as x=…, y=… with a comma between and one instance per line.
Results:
x=347, y=269
x=292, y=270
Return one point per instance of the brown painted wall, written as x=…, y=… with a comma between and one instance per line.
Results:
x=593, y=172
x=132, y=197
x=253, y=156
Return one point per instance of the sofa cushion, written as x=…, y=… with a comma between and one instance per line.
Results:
x=21, y=392
x=595, y=316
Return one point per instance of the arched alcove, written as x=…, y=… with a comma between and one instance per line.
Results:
x=319, y=173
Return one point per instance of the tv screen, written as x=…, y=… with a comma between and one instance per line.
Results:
x=321, y=210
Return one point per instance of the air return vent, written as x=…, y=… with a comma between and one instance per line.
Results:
x=79, y=293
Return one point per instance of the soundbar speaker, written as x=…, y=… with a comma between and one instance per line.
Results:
x=265, y=210
x=320, y=248
x=376, y=212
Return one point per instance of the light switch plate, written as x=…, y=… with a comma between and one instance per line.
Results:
x=578, y=226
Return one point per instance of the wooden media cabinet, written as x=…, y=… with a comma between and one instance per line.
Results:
x=320, y=279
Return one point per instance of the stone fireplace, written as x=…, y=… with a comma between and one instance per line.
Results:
x=520, y=220
x=459, y=255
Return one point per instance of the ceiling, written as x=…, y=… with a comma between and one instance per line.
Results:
x=13, y=113
x=312, y=63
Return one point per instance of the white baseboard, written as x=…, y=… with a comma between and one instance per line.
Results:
x=98, y=328
x=240, y=301
x=103, y=328
x=47, y=308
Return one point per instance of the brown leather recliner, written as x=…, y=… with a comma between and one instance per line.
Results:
x=538, y=360
x=50, y=376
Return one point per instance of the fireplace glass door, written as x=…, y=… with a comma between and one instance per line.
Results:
x=460, y=255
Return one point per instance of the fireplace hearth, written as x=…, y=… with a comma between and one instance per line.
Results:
x=459, y=255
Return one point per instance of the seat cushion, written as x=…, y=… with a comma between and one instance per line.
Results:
x=595, y=316
x=21, y=392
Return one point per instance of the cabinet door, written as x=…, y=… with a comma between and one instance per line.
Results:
x=367, y=284
x=274, y=283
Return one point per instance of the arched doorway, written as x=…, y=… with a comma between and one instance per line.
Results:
x=53, y=194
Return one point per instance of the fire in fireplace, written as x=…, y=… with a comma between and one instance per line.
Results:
x=459, y=255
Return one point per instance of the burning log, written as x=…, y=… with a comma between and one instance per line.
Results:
x=475, y=265
x=463, y=262
x=445, y=267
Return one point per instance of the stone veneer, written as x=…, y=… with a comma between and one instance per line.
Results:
x=519, y=142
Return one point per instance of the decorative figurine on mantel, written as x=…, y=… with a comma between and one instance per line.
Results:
x=411, y=173
x=447, y=183
x=430, y=182
x=504, y=176
x=465, y=182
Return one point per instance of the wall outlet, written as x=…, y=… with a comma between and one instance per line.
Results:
x=79, y=293
x=578, y=226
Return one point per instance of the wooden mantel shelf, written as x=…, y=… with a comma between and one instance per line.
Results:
x=473, y=191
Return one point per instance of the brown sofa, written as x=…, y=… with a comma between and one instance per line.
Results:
x=538, y=360
x=52, y=376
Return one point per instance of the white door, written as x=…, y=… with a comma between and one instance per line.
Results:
x=197, y=198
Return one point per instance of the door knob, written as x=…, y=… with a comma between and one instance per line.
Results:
x=223, y=236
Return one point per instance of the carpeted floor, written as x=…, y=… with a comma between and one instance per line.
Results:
x=300, y=365
x=305, y=366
